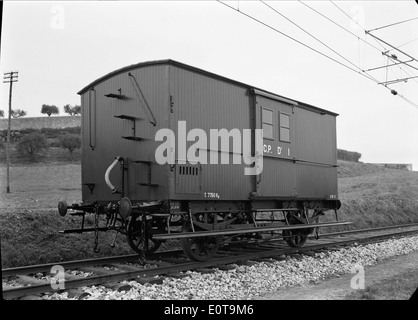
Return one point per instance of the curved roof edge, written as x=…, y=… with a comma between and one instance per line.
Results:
x=201, y=71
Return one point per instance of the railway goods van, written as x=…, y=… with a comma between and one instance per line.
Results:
x=170, y=151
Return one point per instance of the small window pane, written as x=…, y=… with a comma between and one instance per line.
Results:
x=267, y=131
x=284, y=120
x=267, y=116
x=284, y=134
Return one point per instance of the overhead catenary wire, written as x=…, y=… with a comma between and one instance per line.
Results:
x=404, y=63
x=299, y=42
x=379, y=41
x=407, y=100
x=336, y=23
x=394, y=24
x=345, y=29
x=394, y=57
x=313, y=49
x=353, y=34
x=404, y=44
x=347, y=15
x=367, y=32
x=311, y=35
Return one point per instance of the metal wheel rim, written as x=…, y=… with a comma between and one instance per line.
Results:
x=199, y=249
x=134, y=238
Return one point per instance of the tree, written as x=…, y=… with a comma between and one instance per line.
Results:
x=1, y=114
x=72, y=111
x=70, y=142
x=18, y=113
x=30, y=144
x=47, y=109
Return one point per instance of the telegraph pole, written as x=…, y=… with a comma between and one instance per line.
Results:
x=9, y=77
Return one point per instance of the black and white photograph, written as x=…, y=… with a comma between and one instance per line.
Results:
x=209, y=158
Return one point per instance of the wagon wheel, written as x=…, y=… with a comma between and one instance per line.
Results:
x=198, y=248
x=136, y=239
x=295, y=238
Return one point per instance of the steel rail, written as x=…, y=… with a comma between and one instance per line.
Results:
x=365, y=230
x=66, y=264
x=7, y=272
x=119, y=276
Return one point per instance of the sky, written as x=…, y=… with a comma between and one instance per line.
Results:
x=60, y=47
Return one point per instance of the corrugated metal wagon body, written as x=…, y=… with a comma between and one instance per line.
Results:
x=208, y=103
x=167, y=146
x=299, y=141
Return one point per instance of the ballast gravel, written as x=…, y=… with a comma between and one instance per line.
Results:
x=255, y=279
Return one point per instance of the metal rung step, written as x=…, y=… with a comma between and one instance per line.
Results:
x=133, y=138
x=115, y=95
x=124, y=116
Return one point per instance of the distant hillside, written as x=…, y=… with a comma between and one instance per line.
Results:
x=53, y=122
x=354, y=169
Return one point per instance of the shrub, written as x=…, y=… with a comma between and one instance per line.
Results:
x=31, y=144
x=72, y=111
x=70, y=142
x=49, y=133
x=18, y=113
x=54, y=143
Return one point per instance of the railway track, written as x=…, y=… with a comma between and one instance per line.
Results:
x=34, y=280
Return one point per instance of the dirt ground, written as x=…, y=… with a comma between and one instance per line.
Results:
x=340, y=288
x=40, y=187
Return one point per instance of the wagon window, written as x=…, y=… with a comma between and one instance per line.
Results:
x=267, y=118
x=284, y=127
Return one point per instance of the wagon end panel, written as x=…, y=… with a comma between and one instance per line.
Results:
x=316, y=154
x=120, y=117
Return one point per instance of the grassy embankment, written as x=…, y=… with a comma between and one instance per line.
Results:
x=28, y=216
x=373, y=196
x=370, y=195
x=400, y=287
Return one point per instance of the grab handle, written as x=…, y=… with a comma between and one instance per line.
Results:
x=107, y=179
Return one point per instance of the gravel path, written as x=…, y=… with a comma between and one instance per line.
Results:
x=246, y=282
x=339, y=288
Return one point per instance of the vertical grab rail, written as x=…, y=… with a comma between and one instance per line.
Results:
x=92, y=118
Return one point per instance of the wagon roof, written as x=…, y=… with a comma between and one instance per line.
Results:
x=201, y=71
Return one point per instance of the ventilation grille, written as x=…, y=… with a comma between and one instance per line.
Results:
x=188, y=178
x=186, y=170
